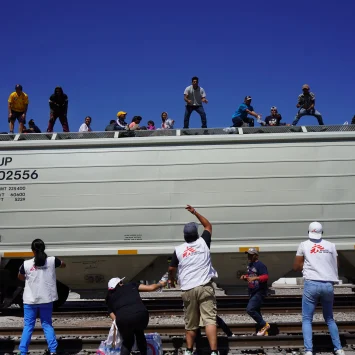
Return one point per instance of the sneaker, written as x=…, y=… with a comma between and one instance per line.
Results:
x=340, y=352
x=263, y=330
x=308, y=353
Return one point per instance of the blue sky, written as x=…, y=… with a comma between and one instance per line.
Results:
x=139, y=56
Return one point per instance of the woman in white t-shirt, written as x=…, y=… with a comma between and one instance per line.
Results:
x=39, y=294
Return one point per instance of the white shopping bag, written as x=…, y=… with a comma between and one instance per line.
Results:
x=112, y=345
x=114, y=337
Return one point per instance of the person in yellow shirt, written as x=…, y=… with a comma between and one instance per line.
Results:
x=17, y=106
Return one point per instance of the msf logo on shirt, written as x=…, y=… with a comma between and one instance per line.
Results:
x=317, y=248
x=35, y=268
x=188, y=251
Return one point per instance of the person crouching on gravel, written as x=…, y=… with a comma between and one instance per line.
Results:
x=126, y=307
x=39, y=294
x=257, y=287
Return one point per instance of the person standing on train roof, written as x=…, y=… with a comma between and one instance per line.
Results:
x=58, y=105
x=192, y=260
x=39, y=294
x=257, y=277
x=317, y=259
x=194, y=96
x=17, y=108
x=306, y=104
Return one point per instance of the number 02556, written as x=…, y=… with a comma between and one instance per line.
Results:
x=18, y=175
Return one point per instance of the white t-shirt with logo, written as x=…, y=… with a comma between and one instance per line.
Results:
x=195, y=267
x=320, y=260
x=41, y=285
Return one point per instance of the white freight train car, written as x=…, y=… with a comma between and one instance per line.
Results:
x=112, y=206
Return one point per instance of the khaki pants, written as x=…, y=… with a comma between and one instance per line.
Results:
x=199, y=302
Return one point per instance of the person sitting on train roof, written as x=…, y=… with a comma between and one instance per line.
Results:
x=353, y=120
x=151, y=126
x=112, y=126
x=240, y=116
x=17, y=106
x=85, y=127
x=134, y=125
x=274, y=119
x=306, y=103
x=121, y=123
x=58, y=105
x=166, y=123
x=32, y=128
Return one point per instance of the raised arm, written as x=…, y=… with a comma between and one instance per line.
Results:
x=204, y=221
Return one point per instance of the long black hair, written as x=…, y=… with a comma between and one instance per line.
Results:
x=38, y=248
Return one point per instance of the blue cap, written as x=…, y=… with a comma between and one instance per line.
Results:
x=191, y=230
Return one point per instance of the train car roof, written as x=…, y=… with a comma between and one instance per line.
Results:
x=243, y=135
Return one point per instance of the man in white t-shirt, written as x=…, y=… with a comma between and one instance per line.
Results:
x=317, y=259
x=194, y=96
x=193, y=261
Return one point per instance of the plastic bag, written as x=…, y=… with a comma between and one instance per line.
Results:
x=112, y=345
x=230, y=130
x=154, y=344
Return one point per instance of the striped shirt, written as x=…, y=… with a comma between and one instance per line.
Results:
x=306, y=100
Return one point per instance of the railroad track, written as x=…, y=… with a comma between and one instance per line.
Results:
x=173, y=306
x=178, y=330
x=78, y=339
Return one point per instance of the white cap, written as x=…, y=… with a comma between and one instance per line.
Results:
x=315, y=230
x=114, y=282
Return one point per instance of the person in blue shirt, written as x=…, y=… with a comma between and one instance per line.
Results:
x=241, y=115
x=256, y=277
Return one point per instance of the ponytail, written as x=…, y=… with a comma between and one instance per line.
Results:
x=38, y=248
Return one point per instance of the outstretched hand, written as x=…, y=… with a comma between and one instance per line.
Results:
x=190, y=209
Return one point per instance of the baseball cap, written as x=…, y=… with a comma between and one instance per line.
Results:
x=305, y=86
x=119, y=113
x=315, y=230
x=248, y=98
x=252, y=251
x=114, y=282
x=273, y=108
x=18, y=86
x=190, y=230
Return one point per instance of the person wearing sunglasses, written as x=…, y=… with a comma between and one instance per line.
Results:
x=306, y=104
x=274, y=118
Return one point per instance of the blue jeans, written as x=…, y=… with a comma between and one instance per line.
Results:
x=253, y=308
x=45, y=314
x=312, y=112
x=313, y=292
x=200, y=110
